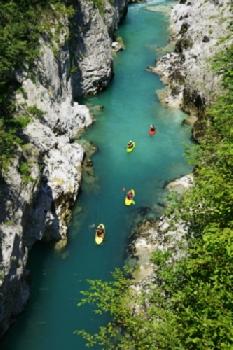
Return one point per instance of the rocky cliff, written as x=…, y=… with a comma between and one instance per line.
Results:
x=200, y=29
x=91, y=60
x=39, y=187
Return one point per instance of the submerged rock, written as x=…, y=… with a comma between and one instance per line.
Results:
x=190, y=120
x=143, y=210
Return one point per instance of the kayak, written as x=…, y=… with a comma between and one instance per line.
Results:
x=152, y=132
x=99, y=239
x=130, y=201
x=132, y=148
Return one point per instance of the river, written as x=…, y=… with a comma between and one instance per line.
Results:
x=130, y=105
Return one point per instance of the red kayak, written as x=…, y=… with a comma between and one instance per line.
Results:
x=152, y=132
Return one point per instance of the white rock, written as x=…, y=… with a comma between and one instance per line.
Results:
x=207, y=22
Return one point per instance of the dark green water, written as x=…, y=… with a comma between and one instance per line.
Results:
x=130, y=106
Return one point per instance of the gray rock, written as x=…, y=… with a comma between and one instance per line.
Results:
x=182, y=184
x=197, y=28
x=91, y=45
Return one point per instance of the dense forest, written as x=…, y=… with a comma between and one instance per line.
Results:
x=191, y=305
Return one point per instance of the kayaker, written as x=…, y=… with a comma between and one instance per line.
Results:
x=130, y=144
x=99, y=233
x=152, y=128
x=100, y=230
x=129, y=198
x=130, y=195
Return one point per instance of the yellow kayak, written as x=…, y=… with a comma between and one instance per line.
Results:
x=99, y=238
x=132, y=148
x=130, y=201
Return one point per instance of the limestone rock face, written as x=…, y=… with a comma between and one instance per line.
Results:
x=16, y=198
x=198, y=29
x=92, y=50
x=39, y=188
x=113, y=14
x=91, y=45
x=52, y=134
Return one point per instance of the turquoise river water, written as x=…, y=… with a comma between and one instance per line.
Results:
x=130, y=105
